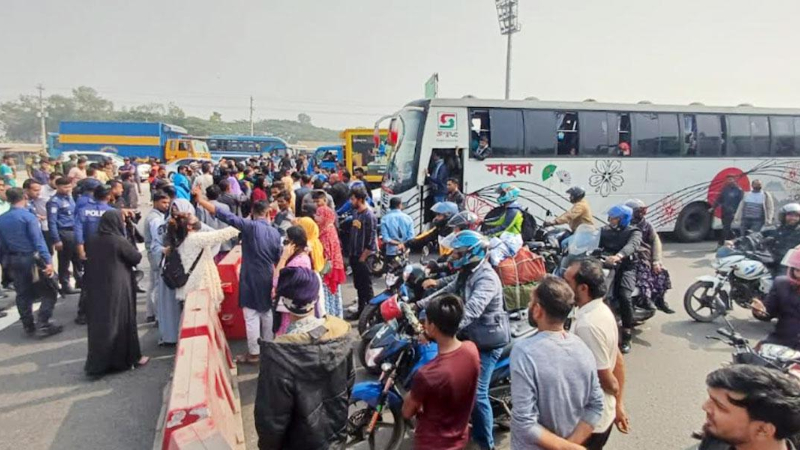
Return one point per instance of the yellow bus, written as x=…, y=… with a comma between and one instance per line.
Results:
x=363, y=147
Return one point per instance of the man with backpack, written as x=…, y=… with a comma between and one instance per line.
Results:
x=509, y=217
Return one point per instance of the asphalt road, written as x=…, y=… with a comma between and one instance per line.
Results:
x=47, y=403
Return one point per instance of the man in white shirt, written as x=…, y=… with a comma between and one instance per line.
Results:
x=206, y=179
x=596, y=326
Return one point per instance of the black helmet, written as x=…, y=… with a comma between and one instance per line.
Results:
x=465, y=220
x=576, y=194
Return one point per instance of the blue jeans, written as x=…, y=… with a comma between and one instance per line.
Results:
x=482, y=417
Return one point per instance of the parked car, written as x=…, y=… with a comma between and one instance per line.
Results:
x=173, y=166
x=94, y=157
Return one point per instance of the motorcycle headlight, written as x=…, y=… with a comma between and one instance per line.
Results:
x=372, y=355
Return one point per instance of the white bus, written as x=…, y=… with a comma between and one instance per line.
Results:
x=674, y=158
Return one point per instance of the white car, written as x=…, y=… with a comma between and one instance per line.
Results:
x=94, y=157
x=142, y=169
x=173, y=166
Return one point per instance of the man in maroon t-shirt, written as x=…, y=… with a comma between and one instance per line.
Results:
x=443, y=391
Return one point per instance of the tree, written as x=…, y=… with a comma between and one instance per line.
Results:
x=19, y=120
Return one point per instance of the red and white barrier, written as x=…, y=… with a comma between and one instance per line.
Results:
x=202, y=409
x=230, y=313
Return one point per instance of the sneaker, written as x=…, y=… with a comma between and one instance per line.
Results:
x=48, y=329
x=3, y=314
x=29, y=330
x=150, y=319
x=80, y=320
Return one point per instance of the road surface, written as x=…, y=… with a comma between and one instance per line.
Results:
x=47, y=403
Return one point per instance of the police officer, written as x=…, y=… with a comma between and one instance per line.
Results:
x=20, y=241
x=61, y=223
x=86, y=223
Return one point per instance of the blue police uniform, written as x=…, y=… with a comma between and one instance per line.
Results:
x=88, y=219
x=20, y=239
x=61, y=224
x=86, y=222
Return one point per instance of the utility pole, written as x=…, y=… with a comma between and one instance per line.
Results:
x=42, y=116
x=508, y=18
x=252, y=125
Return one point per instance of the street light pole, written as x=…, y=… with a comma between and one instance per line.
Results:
x=508, y=19
x=508, y=67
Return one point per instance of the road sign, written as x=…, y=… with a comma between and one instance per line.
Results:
x=432, y=86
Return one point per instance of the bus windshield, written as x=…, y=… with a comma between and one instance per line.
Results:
x=402, y=172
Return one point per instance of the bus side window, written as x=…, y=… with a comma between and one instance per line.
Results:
x=709, y=134
x=182, y=146
x=783, y=135
x=689, y=135
x=567, y=133
x=599, y=134
x=506, y=135
x=624, y=128
x=479, y=126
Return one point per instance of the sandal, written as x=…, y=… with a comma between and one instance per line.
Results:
x=247, y=359
x=142, y=361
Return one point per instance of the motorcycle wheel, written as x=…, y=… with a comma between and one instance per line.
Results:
x=387, y=435
x=375, y=264
x=362, y=358
x=370, y=315
x=698, y=295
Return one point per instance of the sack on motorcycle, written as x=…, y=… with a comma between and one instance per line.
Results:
x=518, y=297
x=525, y=267
x=489, y=331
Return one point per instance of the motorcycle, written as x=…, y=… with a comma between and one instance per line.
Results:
x=641, y=312
x=547, y=244
x=371, y=313
x=379, y=262
x=775, y=356
x=399, y=353
x=742, y=273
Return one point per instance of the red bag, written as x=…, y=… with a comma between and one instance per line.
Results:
x=525, y=267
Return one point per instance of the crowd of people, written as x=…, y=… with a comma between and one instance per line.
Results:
x=302, y=230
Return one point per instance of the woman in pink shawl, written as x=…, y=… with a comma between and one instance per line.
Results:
x=333, y=274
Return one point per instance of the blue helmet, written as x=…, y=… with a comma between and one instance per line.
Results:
x=447, y=209
x=623, y=213
x=507, y=193
x=468, y=247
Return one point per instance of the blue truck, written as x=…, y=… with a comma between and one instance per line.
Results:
x=131, y=139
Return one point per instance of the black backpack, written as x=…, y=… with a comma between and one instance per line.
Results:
x=172, y=271
x=528, y=226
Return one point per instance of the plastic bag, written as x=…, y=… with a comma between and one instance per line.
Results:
x=504, y=246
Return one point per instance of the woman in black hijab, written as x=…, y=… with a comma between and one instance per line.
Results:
x=111, y=299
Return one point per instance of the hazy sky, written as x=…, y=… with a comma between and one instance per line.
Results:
x=347, y=62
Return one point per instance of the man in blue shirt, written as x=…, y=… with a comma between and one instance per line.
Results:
x=396, y=228
x=437, y=178
x=20, y=239
x=61, y=225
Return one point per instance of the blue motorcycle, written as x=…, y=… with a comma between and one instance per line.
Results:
x=375, y=413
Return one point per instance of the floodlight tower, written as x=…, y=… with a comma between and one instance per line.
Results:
x=508, y=18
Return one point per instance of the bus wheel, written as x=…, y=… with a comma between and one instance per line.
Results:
x=694, y=223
